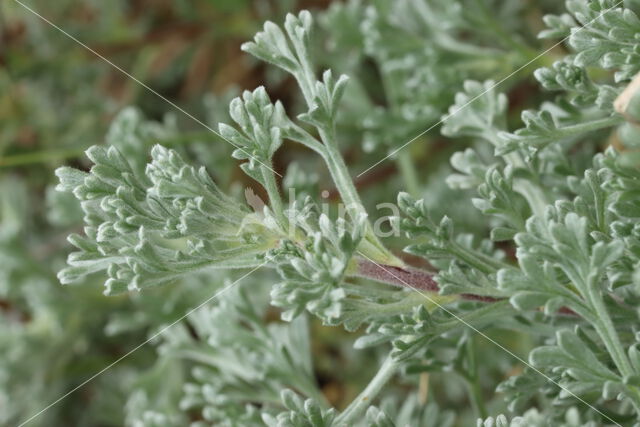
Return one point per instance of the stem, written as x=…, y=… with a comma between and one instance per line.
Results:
x=534, y=195
x=40, y=156
x=477, y=260
x=604, y=326
x=371, y=245
x=445, y=40
x=409, y=174
x=590, y=126
x=486, y=313
x=406, y=277
x=420, y=280
x=472, y=380
x=404, y=160
x=274, y=194
x=355, y=410
x=340, y=174
x=475, y=395
x=412, y=299
x=607, y=332
x=44, y=156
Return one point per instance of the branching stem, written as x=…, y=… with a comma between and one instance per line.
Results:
x=406, y=277
x=418, y=280
x=371, y=245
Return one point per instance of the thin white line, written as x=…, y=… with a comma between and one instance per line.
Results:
x=449, y=115
x=142, y=84
x=211, y=298
x=431, y=300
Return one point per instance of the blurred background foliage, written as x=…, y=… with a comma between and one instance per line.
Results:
x=57, y=99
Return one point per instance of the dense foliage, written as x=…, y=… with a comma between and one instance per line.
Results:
x=504, y=277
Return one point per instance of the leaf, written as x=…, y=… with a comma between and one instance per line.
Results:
x=478, y=112
x=527, y=300
x=153, y=229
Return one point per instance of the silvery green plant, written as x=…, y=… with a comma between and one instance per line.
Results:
x=554, y=251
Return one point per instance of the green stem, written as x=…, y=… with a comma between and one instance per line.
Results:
x=569, y=131
x=607, y=332
x=355, y=410
x=534, y=195
x=275, y=200
x=68, y=153
x=472, y=380
x=444, y=39
x=589, y=126
x=408, y=171
x=371, y=245
x=340, y=174
x=635, y=398
x=404, y=160
x=604, y=326
x=40, y=157
x=487, y=313
x=477, y=260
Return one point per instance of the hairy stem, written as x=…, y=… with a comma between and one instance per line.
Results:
x=275, y=200
x=419, y=280
x=371, y=245
x=406, y=277
x=605, y=328
x=476, y=259
x=588, y=126
x=338, y=169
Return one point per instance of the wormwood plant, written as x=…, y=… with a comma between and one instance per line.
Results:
x=554, y=252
